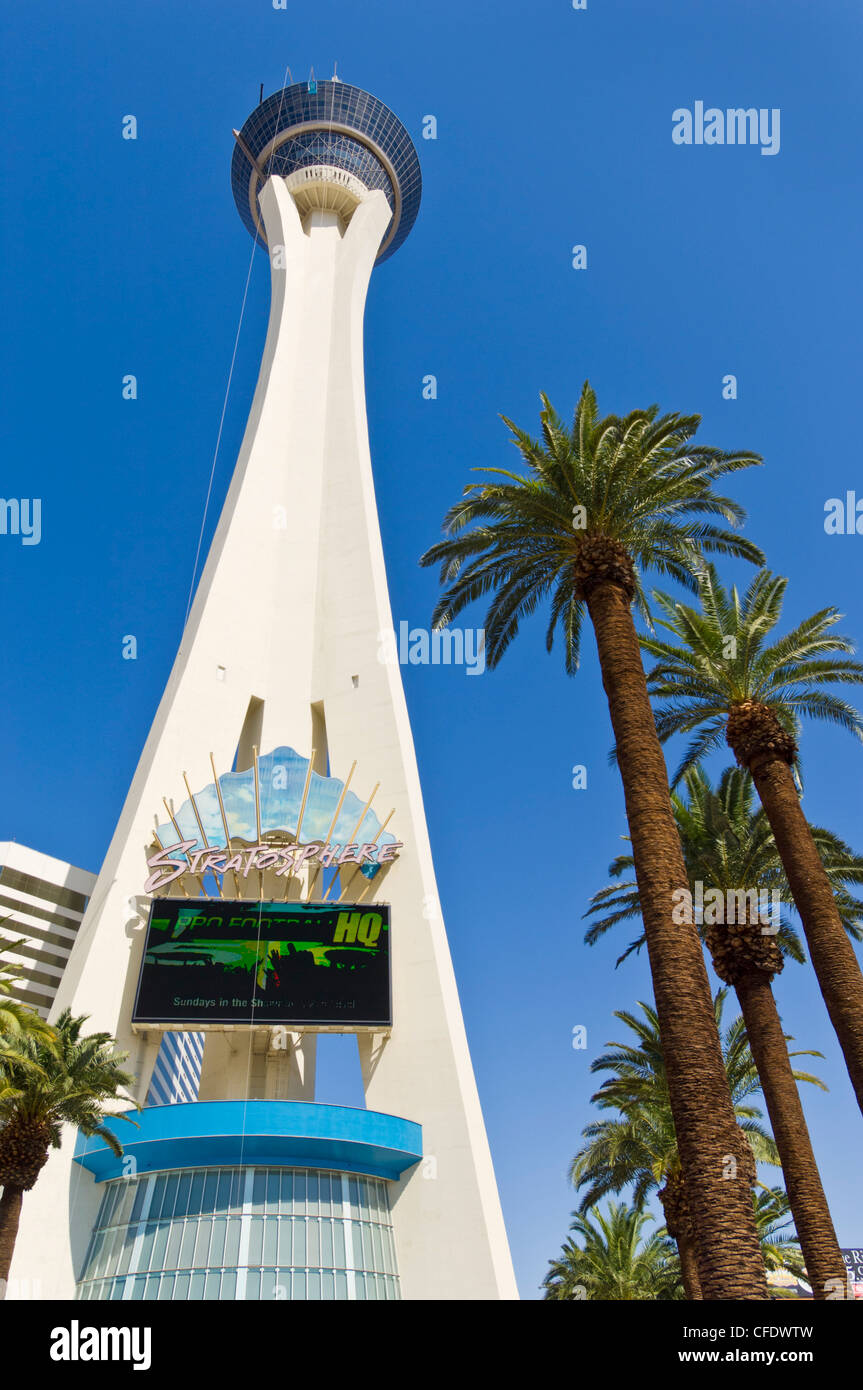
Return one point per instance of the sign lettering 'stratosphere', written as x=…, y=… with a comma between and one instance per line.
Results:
x=284, y=860
x=303, y=964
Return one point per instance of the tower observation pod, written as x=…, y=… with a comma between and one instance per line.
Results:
x=270, y=877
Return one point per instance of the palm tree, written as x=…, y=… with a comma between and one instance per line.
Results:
x=723, y=679
x=42, y=1087
x=614, y=1261
x=639, y=1146
x=729, y=848
x=599, y=503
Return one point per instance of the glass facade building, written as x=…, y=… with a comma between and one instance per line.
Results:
x=177, y=1072
x=242, y=1233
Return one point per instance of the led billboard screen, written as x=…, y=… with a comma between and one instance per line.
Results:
x=265, y=963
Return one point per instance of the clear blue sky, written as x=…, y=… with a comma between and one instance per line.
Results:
x=554, y=128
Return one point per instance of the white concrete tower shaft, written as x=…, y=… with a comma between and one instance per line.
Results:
x=287, y=619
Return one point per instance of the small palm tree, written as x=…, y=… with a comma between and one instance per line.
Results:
x=728, y=846
x=600, y=503
x=723, y=679
x=615, y=1261
x=638, y=1148
x=42, y=1087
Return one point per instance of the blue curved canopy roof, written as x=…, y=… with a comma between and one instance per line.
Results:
x=256, y=1133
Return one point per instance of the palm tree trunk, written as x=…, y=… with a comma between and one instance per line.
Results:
x=10, y=1212
x=728, y=1253
x=689, y=1269
x=833, y=957
x=802, y=1180
x=675, y=1208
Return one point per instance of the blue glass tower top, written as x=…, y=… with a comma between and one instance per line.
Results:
x=334, y=127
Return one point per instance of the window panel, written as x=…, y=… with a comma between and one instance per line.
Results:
x=124, y=1242
x=273, y=1186
x=299, y=1255
x=190, y=1230
x=169, y=1195
x=202, y=1242
x=232, y=1242
x=172, y=1252
x=259, y=1191
x=157, y=1197
x=140, y=1195
x=271, y=1241
x=284, y=1251
x=143, y=1256
x=197, y=1194
x=211, y=1184
x=326, y=1236
x=287, y=1191
x=312, y=1194
x=157, y=1258
x=217, y=1244
x=184, y=1187
x=313, y=1242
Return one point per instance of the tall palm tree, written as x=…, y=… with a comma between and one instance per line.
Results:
x=614, y=1261
x=729, y=847
x=638, y=1148
x=723, y=678
x=598, y=504
x=42, y=1087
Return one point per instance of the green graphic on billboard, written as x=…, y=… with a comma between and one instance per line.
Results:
x=265, y=963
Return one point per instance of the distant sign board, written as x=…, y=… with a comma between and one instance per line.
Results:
x=854, y=1266
x=212, y=962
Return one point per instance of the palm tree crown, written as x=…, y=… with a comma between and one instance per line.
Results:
x=636, y=483
x=615, y=1261
x=639, y=1148
x=46, y=1086
x=727, y=843
x=723, y=660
